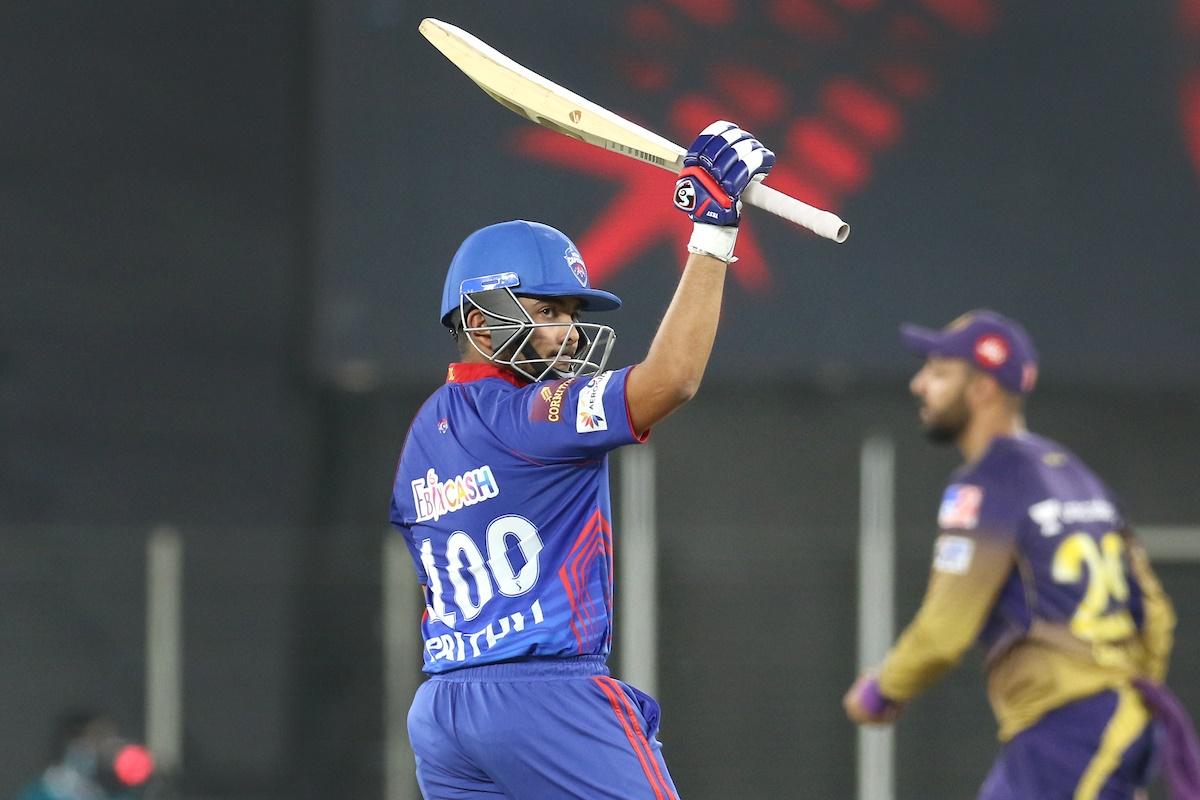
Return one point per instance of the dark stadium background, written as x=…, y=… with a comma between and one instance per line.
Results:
x=224, y=230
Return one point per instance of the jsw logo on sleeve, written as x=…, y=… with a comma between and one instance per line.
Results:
x=434, y=498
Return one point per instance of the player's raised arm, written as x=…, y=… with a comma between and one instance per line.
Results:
x=719, y=165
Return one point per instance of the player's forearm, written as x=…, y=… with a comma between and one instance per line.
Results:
x=957, y=603
x=679, y=353
x=920, y=657
x=671, y=372
x=717, y=168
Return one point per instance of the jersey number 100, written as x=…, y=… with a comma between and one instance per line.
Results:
x=463, y=560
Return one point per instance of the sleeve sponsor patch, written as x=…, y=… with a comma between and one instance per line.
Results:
x=960, y=506
x=590, y=415
x=546, y=404
x=953, y=554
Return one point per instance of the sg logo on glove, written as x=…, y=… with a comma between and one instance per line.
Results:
x=685, y=194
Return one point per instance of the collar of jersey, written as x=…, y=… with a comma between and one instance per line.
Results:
x=464, y=372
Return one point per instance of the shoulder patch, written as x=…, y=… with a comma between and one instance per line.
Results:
x=546, y=403
x=953, y=554
x=589, y=411
x=960, y=506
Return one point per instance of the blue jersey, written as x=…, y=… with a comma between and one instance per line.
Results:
x=502, y=497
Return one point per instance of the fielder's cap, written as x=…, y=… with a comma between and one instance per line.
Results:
x=989, y=341
x=543, y=260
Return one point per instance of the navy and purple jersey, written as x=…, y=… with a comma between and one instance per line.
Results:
x=1035, y=562
x=502, y=497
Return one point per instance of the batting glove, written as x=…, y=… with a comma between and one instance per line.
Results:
x=718, y=167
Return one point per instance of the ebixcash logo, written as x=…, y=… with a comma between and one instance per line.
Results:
x=434, y=498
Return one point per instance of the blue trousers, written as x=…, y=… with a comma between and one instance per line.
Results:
x=537, y=730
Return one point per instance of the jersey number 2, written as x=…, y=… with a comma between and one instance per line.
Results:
x=1093, y=622
x=464, y=561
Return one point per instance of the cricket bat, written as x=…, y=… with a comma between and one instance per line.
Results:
x=531, y=96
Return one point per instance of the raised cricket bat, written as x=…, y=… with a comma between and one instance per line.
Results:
x=548, y=104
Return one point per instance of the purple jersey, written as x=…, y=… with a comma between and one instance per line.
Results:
x=1065, y=528
x=502, y=496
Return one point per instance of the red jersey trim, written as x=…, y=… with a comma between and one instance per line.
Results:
x=639, y=438
x=466, y=372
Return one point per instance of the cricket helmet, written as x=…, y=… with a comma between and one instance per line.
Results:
x=496, y=265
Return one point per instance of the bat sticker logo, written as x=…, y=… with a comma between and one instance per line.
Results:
x=685, y=195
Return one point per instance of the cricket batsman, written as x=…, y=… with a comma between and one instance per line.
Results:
x=502, y=498
x=1036, y=562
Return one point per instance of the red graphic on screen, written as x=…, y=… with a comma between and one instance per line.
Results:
x=1189, y=87
x=829, y=123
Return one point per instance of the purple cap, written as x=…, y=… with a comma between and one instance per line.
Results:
x=989, y=341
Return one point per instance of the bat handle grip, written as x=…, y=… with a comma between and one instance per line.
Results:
x=822, y=223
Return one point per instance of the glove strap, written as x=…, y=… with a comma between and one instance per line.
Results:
x=713, y=240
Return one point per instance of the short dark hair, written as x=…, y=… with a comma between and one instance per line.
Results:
x=455, y=324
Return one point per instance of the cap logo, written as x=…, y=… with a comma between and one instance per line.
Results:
x=578, y=268
x=991, y=351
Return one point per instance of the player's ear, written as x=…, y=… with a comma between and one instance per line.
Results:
x=982, y=388
x=476, y=319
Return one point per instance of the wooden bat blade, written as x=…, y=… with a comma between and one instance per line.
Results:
x=529, y=95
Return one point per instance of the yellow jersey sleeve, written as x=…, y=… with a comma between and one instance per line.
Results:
x=969, y=570
x=1158, y=626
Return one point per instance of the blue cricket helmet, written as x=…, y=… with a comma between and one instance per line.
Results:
x=527, y=257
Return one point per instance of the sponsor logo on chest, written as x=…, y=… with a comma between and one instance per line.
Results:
x=433, y=498
x=1052, y=514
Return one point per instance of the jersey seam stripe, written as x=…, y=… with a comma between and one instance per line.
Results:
x=619, y=713
x=571, y=600
x=624, y=698
x=607, y=541
x=567, y=575
x=578, y=568
x=563, y=575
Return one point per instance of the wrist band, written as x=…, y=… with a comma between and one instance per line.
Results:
x=872, y=699
x=713, y=240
